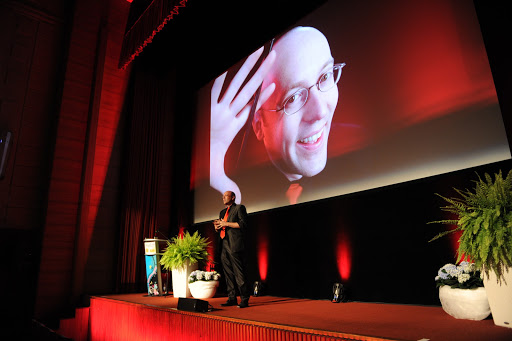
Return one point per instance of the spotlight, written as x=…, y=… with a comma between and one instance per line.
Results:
x=338, y=292
x=257, y=287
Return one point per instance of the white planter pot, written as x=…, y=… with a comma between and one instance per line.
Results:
x=180, y=280
x=500, y=297
x=203, y=289
x=468, y=304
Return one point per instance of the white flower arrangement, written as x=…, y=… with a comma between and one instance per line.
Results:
x=463, y=276
x=199, y=275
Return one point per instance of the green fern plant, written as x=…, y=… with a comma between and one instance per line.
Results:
x=191, y=248
x=485, y=219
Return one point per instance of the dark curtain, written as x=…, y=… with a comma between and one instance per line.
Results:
x=148, y=103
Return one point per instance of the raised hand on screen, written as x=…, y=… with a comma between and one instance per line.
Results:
x=229, y=114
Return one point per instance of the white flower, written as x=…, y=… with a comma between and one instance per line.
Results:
x=441, y=274
x=463, y=278
x=199, y=275
x=454, y=271
x=467, y=267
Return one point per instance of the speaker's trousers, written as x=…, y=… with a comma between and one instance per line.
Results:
x=233, y=264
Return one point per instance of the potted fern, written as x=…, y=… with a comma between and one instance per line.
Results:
x=182, y=256
x=484, y=216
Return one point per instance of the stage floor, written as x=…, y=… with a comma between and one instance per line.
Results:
x=352, y=320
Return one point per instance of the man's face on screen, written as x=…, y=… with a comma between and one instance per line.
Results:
x=297, y=144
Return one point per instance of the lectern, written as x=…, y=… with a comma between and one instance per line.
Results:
x=152, y=254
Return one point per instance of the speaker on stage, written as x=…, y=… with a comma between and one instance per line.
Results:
x=192, y=304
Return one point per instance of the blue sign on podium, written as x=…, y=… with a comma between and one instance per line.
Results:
x=152, y=254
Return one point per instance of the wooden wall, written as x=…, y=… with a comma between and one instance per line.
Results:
x=32, y=36
x=79, y=243
x=62, y=96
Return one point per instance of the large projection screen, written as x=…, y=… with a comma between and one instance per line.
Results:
x=415, y=99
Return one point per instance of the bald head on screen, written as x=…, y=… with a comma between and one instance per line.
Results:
x=295, y=109
x=295, y=121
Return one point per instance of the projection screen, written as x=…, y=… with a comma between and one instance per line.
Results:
x=415, y=98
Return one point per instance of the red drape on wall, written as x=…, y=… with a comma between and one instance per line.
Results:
x=143, y=159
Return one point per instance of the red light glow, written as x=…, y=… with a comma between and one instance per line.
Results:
x=263, y=256
x=455, y=237
x=343, y=256
x=455, y=242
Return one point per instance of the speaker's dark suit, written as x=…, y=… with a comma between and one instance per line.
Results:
x=232, y=254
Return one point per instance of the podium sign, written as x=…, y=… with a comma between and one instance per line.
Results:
x=152, y=255
x=150, y=247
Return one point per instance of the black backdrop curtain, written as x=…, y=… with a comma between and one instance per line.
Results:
x=148, y=102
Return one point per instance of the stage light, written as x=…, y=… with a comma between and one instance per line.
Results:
x=338, y=292
x=257, y=288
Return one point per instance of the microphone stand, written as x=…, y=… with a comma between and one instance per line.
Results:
x=166, y=286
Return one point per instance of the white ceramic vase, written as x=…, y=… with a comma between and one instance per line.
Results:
x=180, y=280
x=203, y=289
x=468, y=304
x=500, y=297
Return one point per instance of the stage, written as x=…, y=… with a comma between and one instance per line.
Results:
x=139, y=317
